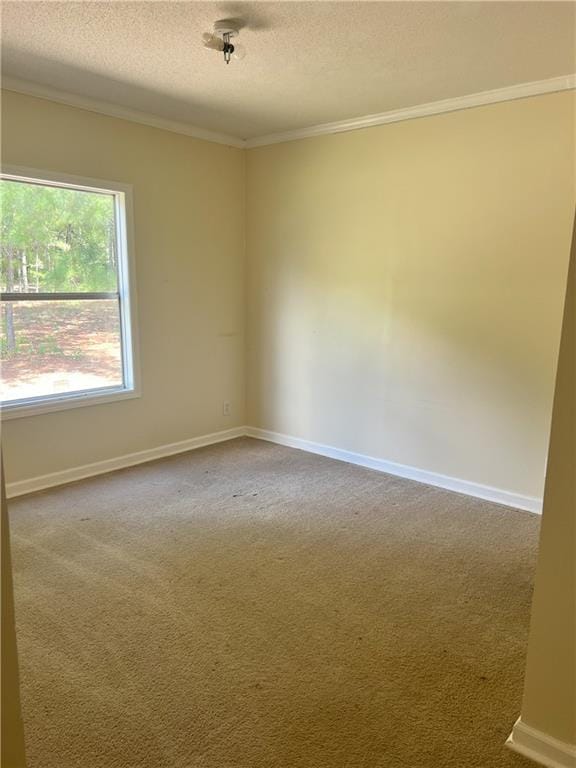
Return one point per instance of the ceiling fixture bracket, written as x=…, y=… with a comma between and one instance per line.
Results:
x=221, y=39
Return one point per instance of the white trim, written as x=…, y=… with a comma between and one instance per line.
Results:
x=42, y=482
x=58, y=179
x=510, y=93
x=497, y=495
x=522, y=91
x=540, y=747
x=124, y=213
x=116, y=110
x=50, y=404
x=127, y=286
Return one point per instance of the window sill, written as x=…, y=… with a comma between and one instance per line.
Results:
x=39, y=406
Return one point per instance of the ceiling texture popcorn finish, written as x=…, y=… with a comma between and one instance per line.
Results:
x=309, y=63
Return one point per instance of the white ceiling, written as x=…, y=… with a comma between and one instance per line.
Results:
x=306, y=63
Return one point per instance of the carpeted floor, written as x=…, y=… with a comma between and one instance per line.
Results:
x=252, y=606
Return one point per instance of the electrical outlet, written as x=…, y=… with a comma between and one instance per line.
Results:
x=226, y=408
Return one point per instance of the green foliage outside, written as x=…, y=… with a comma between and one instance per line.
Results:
x=51, y=240
x=55, y=239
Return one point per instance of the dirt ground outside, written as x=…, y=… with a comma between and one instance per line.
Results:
x=60, y=346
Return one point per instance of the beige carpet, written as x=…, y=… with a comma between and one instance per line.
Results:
x=252, y=606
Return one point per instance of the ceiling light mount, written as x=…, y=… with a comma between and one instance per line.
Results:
x=220, y=39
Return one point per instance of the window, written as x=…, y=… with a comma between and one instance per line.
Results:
x=66, y=336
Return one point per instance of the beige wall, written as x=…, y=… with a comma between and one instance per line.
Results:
x=550, y=688
x=189, y=243
x=403, y=297
x=12, y=753
x=405, y=288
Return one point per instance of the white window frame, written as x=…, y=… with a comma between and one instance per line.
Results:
x=123, y=209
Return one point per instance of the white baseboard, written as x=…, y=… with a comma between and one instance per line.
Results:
x=42, y=482
x=497, y=495
x=540, y=747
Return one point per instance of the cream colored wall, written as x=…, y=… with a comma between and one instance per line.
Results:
x=189, y=245
x=12, y=750
x=405, y=288
x=550, y=688
x=403, y=297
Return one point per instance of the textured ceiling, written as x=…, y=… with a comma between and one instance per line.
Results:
x=306, y=63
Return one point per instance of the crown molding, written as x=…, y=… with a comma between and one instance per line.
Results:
x=522, y=91
x=29, y=88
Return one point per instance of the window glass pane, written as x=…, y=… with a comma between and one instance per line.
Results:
x=51, y=347
x=56, y=240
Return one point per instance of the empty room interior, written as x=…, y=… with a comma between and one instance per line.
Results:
x=288, y=384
